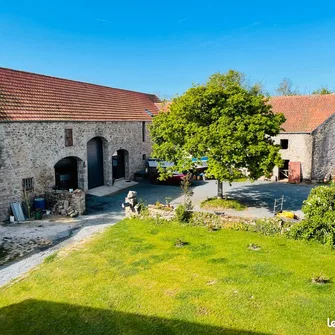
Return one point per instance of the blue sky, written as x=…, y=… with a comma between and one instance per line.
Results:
x=164, y=47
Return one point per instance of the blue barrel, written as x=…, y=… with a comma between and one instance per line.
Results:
x=39, y=203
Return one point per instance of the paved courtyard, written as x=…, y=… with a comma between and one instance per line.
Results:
x=258, y=196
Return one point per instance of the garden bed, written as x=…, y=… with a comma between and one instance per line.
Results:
x=220, y=204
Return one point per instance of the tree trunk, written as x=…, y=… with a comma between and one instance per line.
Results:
x=220, y=189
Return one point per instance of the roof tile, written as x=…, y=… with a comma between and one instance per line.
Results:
x=30, y=97
x=304, y=113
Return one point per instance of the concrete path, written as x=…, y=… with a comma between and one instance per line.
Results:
x=108, y=190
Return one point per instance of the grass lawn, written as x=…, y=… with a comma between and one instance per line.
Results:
x=240, y=180
x=134, y=280
x=216, y=203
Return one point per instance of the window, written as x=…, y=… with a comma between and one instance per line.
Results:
x=144, y=157
x=143, y=131
x=149, y=113
x=28, y=184
x=68, y=138
x=284, y=144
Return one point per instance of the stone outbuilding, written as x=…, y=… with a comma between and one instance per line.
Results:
x=308, y=137
x=68, y=134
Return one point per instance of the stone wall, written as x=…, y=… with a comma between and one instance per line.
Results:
x=31, y=150
x=324, y=150
x=300, y=148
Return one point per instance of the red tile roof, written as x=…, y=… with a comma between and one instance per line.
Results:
x=304, y=113
x=33, y=97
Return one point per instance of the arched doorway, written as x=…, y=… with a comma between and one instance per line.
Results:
x=66, y=173
x=95, y=164
x=120, y=164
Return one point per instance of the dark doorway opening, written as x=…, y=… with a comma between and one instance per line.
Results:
x=283, y=171
x=66, y=173
x=119, y=164
x=95, y=162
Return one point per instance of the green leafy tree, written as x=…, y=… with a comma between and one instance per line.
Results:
x=323, y=90
x=226, y=120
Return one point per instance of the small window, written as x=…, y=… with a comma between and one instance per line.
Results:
x=68, y=138
x=28, y=184
x=284, y=144
x=143, y=131
x=144, y=157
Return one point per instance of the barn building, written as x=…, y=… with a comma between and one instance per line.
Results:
x=68, y=134
x=308, y=136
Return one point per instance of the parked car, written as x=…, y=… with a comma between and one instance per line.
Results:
x=175, y=179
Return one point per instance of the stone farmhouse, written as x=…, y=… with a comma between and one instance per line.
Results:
x=69, y=134
x=308, y=135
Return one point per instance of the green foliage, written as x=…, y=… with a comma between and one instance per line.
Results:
x=319, y=222
x=237, y=226
x=182, y=213
x=225, y=120
x=268, y=227
x=185, y=186
x=216, y=203
x=28, y=201
x=322, y=91
x=163, y=207
x=143, y=207
x=205, y=219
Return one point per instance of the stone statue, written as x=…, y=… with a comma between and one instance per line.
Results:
x=131, y=206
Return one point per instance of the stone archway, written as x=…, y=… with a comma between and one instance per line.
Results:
x=69, y=173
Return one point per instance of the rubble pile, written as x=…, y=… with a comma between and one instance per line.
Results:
x=66, y=203
x=164, y=212
x=14, y=247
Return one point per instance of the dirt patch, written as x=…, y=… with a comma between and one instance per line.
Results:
x=18, y=240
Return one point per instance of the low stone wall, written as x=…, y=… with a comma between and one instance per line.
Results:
x=65, y=202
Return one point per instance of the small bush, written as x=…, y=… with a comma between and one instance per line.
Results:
x=182, y=214
x=143, y=208
x=204, y=219
x=268, y=227
x=238, y=226
x=319, y=222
